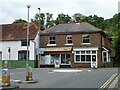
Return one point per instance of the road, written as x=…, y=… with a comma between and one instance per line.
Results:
x=94, y=78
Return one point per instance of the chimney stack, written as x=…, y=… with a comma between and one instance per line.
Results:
x=77, y=19
x=61, y=22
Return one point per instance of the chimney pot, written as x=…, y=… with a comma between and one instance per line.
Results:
x=61, y=22
x=77, y=19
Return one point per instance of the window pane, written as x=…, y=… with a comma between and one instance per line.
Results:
x=63, y=58
x=85, y=40
x=77, y=52
x=50, y=38
x=82, y=52
x=77, y=57
x=69, y=41
x=93, y=52
x=82, y=57
x=87, y=52
x=52, y=59
x=68, y=59
x=88, y=57
x=94, y=58
x=52, y=42
x=53, y=37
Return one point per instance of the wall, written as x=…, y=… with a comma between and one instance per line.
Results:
x=77, y=41
x=15, y=47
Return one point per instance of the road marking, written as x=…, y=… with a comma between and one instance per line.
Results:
x=107, y=82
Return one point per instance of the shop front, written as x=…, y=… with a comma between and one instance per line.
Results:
x=56, y=57
x=85, y=57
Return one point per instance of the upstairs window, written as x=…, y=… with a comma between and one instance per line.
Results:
x=69, y=39
x=51, y=39
x=24, y=43
x=86, y=38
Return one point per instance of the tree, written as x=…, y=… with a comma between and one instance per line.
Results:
x=19, y=21
x=63, y=17
x=49, y=20
x=42, y=19
x=78, y=15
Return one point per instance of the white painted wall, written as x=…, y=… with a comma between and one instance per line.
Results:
x=15, y=47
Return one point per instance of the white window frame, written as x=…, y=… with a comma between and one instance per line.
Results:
x=85, y=38
x=85, y=56
x=51, y=40
x=68, y=39
x=106, y=56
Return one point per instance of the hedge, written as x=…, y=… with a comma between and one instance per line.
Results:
x=19, y=64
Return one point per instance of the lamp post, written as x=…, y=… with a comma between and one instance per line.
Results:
x=39, y=40
x=27, y=69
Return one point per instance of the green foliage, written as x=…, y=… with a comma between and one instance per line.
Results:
x=19, y=21
x=63, y=17
x=42, y=19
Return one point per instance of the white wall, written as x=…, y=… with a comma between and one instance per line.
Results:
x=16, y=46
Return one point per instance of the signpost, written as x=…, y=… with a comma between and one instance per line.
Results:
x=40, y=51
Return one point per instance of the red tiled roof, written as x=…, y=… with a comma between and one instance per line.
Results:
x=18, y=31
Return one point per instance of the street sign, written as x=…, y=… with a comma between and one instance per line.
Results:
x=4, y=72
x=94, y=64
x=40, y=51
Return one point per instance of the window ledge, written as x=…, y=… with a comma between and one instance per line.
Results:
x=85, y=43
x=68, y=44
x=51, y=44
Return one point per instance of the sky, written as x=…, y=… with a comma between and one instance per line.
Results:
x=10, y=10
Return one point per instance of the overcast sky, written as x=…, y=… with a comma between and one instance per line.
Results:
x=11, y=10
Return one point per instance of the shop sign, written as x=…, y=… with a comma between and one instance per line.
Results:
x=66, y=49
x=40, y=51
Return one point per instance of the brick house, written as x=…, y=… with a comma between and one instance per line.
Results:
x=74, y=45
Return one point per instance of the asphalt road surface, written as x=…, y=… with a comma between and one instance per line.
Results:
x=88, y=78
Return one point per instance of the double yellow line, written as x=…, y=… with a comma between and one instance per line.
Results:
x=107, y=82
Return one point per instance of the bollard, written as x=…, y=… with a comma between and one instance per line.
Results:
x=5, y=77
x=30, y=73
x=6, y=64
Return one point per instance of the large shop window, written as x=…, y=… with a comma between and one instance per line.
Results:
x=86, y=38
x=85, y=56
x=22, y=55
x=51, y=39
x=69, y=39
x=47, y=59
x=65, y=58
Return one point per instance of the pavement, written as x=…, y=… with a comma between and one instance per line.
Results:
x=65, y=78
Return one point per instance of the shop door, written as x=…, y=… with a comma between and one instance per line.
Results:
x=57, y=60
